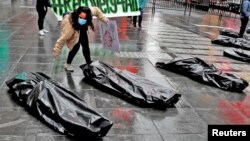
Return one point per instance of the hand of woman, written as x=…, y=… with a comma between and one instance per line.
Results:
x=107, y=20
x=55, y=54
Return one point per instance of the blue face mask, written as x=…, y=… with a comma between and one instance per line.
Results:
x=82, y=21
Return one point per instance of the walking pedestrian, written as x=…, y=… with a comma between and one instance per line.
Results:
x=42, y=8
x=142, y=4
x=244, y=16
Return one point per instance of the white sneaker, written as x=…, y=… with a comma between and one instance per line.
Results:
x=41, y=33
x=68, y=67
x=45, y=31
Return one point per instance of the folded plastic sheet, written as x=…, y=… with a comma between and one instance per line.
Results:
x=248, y=30
x=232, y=42
x=200, y=71
x=229, y=33
x=129, y=86
x=57, y=106
x=238, y=54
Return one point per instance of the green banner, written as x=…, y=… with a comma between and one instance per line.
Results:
x=111, y=8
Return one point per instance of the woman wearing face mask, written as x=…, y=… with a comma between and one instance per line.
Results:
x=74, y=28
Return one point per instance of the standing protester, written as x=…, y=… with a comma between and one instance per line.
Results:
x=142, y=4
x=42, y=8
x=74, y=28
x=244, y=16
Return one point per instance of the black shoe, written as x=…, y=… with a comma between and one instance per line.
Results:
x=134, y=25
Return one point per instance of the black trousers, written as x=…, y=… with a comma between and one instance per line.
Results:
x=83, y=40
x=244, y=22
x=140, y=19
x=135, y=19
x=42, y=11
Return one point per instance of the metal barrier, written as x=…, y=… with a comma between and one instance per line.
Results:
x=222, y=8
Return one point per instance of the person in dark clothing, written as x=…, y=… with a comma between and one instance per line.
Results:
x=244, y=16
x=74, y=28
x=42, y=8
x=142, y=4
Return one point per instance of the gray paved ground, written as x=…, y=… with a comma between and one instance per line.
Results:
x=162, y=37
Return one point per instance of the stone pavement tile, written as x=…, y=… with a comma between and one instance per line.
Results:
x=201, y=43
x=184, y=83
x=45, y=137
x=127, y=62
x=10, y=58
x=2, y=79
x=36, y=58
x=161, y=55
x=71, y=81
x=47, y=41
x=169, y=73
x=181, y=37
x=200, y=98
x=131, y=47
x=6, y=99
x=184, y=137
x=147, y=47
x=132, y=138
x=222, y=115
x=231, y=67
x=181, y=120
x=6, y=67
x=39, y=50
x=213, y=47
x=212, y=59
x=19, y=122
x=172, y=41
x=129, y=121
x=245, y=112
x=233, y=97
x=165, y=46
x=12, y=122
x=17, y=138
x=12, y=50
x=20, y=43
x=58, y=71
x=24, y=67
x=243, y=74
x=42, y=129
x=196, y=52
x=6, y=31
x=109, y=137
x=182, y=103
x=17, y=36
x=99, y=99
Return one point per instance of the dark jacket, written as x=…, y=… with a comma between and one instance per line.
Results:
x=245, y=9
x=42, y=3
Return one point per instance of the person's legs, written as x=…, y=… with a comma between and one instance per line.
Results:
x=72, y=53
x=134, y=20
x=70, y=58
x=243, y=26
x=41, y=16
x=140, y=18
x=85, y=46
